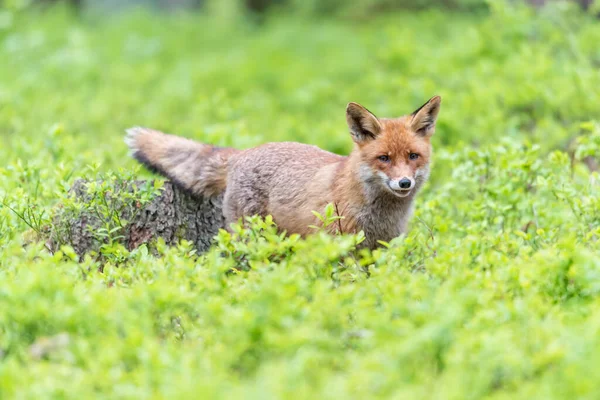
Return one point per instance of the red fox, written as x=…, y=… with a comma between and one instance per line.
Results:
x=372, y=188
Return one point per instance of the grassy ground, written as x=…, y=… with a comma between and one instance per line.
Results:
x=493, y=294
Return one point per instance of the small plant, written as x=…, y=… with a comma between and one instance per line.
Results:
x=330, y=217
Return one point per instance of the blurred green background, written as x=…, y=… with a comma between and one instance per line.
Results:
x=224, y=73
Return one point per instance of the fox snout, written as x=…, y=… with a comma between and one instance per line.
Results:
x=405, y=183
x=401, y=186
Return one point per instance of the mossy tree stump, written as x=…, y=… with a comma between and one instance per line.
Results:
x=171, y=214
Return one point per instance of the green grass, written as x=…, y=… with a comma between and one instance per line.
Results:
x=494, y=293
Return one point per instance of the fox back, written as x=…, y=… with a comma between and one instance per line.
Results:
x=372, y=188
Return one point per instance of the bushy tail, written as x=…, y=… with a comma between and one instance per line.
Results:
x=198, y=168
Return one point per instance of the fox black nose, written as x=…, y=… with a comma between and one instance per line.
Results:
x=405, y=183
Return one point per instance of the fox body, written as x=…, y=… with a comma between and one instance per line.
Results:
x=373, y=188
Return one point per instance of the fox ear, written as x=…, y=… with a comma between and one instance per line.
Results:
x=423, y=119
x=364, y=126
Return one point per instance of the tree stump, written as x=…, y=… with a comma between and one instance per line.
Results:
x=172, y=215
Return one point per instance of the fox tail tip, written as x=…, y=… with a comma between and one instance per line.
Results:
x=135, y=136
x=131, y=135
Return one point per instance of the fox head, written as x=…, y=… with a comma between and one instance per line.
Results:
x=394, y=153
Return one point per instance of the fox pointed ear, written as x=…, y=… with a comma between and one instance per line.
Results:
x=364, y=126
x=423, y=119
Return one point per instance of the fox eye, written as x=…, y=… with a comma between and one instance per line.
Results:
x=384, y=158
x=413, y=156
